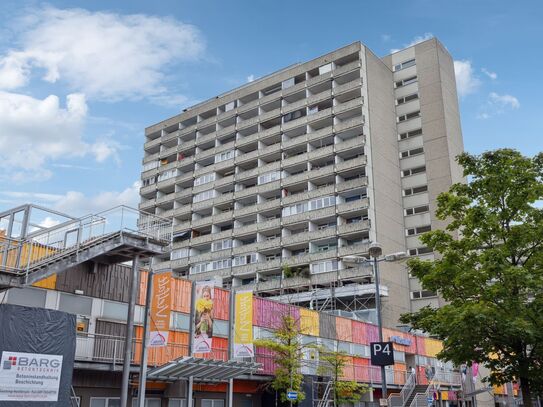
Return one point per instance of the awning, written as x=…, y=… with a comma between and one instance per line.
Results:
x=207, y=370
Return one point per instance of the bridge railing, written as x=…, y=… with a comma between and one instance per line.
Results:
x=18, y=257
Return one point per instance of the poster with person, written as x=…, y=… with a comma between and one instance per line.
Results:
x=202, y=339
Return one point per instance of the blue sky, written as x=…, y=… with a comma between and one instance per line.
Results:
x=80, y=80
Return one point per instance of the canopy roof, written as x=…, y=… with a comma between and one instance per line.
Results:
x=207, y=370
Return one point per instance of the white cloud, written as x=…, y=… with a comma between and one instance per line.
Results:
x=497, y=104
x=466, y=80
x=504, y=100
x=101, y=54
x=33, y=131
x=75, y=203
x=250, y=78
x=417, y=40
x=49, y=222
x=490, y=74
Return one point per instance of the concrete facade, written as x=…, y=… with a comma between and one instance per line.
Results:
x=271, y=184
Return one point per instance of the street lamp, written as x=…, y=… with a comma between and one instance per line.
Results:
x=375, y=251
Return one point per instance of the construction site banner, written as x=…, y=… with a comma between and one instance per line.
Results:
x=160, y=310
x=202, y=340
x=243, y=325
x=37, y=349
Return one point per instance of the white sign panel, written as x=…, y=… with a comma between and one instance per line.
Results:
x=29, y=376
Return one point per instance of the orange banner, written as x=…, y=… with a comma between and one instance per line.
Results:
x=160, y=310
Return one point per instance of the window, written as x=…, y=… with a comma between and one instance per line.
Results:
x=418, y=230
x=417, y=209
x=322, y=202
x=29, y=297
x=204, y=195
x=198, y=268
x=221, y=264
x=75, y=304
x=294, y=115
x=225, y=155
x=327, y=225
x=406, y=81
x=415, y=190
x=221, y=245
x=413, y=171
x=204, y=179
x=324, y=266
x=272, y=257
x=230, y=106
x=408, y=98
x=409, y=116
x=356, y=219
x=150, y=166
x=419, y=251
x=243, y=260
x=325, y=68
x=404, y=65
x=411, y=133
x=114, y=310
x=410, y=153
x=325, y=247
x=179, y=254
x=352, y=198
x=212, y=403
x=269, y=177
x=180, y=321
x=148, y=402
x=149, y=181
x=105, y=402
x=167, y=175
x=287, y=83
x=415, y=295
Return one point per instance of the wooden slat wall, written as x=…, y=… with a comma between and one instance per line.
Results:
x=110, y=282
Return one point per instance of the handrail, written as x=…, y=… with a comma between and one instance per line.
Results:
x=406, y=391
x=436, y=381
x=70, y=237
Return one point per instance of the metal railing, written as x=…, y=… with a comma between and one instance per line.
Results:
x=401, y=398
x=73, y=236
x=437, y=380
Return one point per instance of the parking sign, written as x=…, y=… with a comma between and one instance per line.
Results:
x=382, y=353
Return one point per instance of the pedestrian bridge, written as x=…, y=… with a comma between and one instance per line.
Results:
x=113, y=236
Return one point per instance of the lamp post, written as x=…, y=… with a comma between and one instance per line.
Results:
x=375, y=251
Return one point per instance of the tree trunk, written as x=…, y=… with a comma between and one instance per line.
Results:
x=526, y=392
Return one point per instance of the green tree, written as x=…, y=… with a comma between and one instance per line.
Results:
x=332, y=364
x=288, y=356
x=489, y=269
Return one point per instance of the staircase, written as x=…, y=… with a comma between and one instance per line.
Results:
x=419, y=389
x=325, y=402
x=112, y=236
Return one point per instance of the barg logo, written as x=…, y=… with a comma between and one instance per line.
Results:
x=12, y=361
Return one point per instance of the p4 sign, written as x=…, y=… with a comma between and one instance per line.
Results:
x=382, y=353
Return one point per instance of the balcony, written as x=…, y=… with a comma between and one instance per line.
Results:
x=353, y=163
x=149, y=189
x=347, y=86
x=147, y=204
x=295, y=105
x=206, y=138
x=168, y=152
x=184, y=193
x=243, y=124
x=225, y=131
x=258, y=170
x=319, y=79
x=321, y=152
x=170, y=136
x=321, y=133
x=268, y=205
x=166, y=167
x=319, y=115
x=165, y=198
x=206, y=122
x=197, y=223
x=355, y=142
x=297, y=159
x=275, y=130
x=247, y=210
x=316, y=214
x=187, y=130
x=244, y=249
x=295, y=141
x=247, y=140
x=356, y=249
x=295, y=179
x=183, y=211
x=343, y=107
x=150, y=157
x=274, y=148
x=270, y=115
x=302, y=237
x=180, y=227
x=353, y=206
x=351, y=66
x=152, y=143
x=269, y=224
x=210, y=237
x=248, y=106
x=269, y=244
x=354, y=227
x=321, y=172
x=179, y=263
x=186, y=145
x=252, y=155
x=353, y=183
x=200, y=258
x=166, y=183
x=294, y=89
x=245, y=230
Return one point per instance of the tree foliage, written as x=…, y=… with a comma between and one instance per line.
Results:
x=288, y=357
x=489, y=269
x=332, y=364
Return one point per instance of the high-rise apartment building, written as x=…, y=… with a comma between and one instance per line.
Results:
x=272, y=184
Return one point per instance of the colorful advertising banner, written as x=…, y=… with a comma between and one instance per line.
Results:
x=202, y=340
x=29, y=376
x=160, y=310
x=243, y=326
